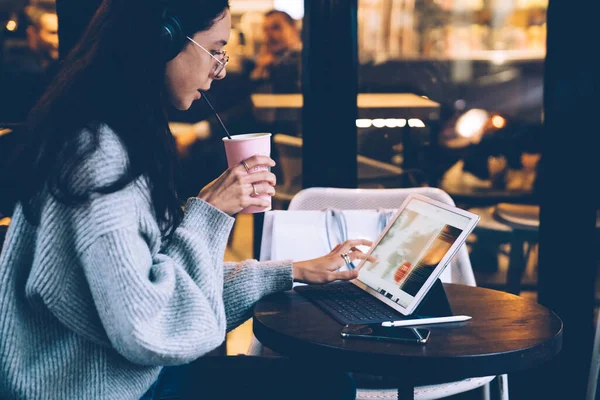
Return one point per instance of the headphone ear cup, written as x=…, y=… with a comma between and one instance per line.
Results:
x=172, y=37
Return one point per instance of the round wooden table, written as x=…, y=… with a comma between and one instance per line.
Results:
x=506, y=334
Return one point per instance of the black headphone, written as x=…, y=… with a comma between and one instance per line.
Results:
x=172, y=36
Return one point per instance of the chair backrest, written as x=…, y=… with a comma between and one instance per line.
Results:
x=365, y=199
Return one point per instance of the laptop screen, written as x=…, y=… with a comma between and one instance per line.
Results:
x=411, y=249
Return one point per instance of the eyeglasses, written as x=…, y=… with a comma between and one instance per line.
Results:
x=220, y=63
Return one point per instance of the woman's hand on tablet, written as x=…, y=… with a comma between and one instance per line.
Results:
x=323, y=269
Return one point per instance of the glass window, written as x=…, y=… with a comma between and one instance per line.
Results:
x=471, y=73
x=261, y=93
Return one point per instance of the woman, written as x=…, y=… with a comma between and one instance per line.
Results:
x=103, y=279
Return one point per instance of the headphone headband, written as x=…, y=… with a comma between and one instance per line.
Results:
x=172, y=35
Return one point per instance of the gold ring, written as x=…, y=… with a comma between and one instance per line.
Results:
x=255, y=192
x=245, y=165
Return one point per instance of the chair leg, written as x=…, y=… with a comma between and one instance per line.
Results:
x=485, y=392
x=255, y=348
x=516, y=265
x=593, y=379
x=503, y=386
x=595, y=365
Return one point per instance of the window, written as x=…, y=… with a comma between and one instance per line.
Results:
x=474, y=73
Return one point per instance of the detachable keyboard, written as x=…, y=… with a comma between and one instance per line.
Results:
x=348, y=304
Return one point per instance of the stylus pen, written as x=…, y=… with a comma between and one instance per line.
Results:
x=427, y=321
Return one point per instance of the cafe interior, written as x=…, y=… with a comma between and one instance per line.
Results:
x=488, y=105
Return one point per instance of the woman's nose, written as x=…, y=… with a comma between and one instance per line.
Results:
x=221, y=75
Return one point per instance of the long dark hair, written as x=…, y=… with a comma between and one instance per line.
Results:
x=113, y=76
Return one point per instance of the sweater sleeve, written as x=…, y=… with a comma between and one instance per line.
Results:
x=162, y=308
x=247, y=282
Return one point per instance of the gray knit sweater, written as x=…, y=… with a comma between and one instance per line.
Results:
x=92, y=303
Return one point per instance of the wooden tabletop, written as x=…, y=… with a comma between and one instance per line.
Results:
x=507, y=333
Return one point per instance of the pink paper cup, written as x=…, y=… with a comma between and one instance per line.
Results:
x=242, y=147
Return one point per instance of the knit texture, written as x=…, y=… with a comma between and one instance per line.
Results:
x=93, y=303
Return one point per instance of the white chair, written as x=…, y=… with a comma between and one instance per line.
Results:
x=595, y=365
x=461, y=272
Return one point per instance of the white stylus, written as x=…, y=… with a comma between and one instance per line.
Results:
x=426, y=321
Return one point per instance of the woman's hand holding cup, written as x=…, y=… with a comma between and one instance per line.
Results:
x=239, y=149
x=237, y=188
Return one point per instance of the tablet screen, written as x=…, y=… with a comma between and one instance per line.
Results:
x=411, y=249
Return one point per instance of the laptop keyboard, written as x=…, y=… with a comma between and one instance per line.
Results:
x=348, y=304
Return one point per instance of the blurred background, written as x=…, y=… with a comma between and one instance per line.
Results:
x=450, y=95
x=461, y=79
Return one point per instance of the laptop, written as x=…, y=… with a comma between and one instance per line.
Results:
x=412, y=251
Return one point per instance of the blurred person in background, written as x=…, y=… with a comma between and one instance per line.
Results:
x=27, y=72
x=24, y=75
x=42, y=32
x=278, y=63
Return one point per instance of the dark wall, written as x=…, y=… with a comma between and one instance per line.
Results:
x=329, y=87
x=569, y=187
